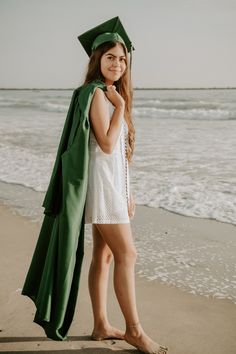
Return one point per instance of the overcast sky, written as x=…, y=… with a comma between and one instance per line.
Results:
x=178, y=43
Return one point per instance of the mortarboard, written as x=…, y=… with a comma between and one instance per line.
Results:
x=111, y=30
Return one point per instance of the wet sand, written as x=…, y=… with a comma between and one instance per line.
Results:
x=186, y=323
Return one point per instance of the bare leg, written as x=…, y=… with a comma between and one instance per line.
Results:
x=98, y=282
x=119, y=239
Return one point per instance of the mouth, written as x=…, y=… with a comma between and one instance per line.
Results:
x=115, y=71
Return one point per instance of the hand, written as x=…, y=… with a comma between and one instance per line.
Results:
x=114, y=97
x=131, y=207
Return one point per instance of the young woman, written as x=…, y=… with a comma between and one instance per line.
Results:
x=109, y=203
x=90, y=184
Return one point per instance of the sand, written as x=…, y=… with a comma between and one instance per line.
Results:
x=186, y=323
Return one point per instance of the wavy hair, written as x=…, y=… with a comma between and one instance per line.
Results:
x=123, y=86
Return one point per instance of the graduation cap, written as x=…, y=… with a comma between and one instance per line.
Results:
x=111, y=30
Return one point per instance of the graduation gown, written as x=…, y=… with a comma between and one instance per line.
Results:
x=52, y=281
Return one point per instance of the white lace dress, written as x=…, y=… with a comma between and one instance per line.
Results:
x=108, y=181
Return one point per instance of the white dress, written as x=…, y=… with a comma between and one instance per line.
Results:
x=108, y=181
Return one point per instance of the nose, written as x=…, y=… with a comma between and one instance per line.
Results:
x=116, y=62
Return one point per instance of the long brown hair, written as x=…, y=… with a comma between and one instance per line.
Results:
x=123, y=86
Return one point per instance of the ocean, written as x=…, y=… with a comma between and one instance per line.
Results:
x=185, y=151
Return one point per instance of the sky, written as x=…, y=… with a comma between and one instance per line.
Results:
x=178, y=43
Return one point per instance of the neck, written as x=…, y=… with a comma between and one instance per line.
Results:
x=109, y=82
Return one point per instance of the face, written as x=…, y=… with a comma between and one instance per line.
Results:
x=113, y=64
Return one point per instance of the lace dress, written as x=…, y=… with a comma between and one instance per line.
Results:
x=108, y=181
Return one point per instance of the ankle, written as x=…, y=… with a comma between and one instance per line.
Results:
x=135, y=330
x=101, y=324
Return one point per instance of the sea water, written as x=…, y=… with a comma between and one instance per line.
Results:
x=184, y=161
x=185, y=154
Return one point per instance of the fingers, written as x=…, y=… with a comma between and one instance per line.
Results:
x=111, y=88
x=114, y=96
x=131, y=208
x=131, y=215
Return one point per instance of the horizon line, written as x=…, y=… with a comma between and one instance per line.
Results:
x=135, y=88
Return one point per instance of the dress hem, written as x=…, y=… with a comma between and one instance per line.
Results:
x=108, y=222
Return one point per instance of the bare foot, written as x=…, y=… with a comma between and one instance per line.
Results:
x=139, y=339
x=107, y=332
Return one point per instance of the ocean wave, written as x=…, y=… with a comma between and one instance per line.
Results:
x=224, y=212
x=205, y=197
x=142, y=107
x=55, y=107
x=21, y=166
x=184, y=105
x=186, y=113
x=36, y=106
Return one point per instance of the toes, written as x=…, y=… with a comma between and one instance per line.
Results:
x=162, y=350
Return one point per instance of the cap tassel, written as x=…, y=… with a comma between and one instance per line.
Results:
x=130, y=60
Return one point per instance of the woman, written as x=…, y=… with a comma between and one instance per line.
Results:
x=90, y=184
x=109, y=203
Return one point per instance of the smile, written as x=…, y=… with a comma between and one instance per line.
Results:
x=115, y=71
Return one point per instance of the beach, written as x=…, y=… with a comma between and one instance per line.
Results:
x=179, y=92
x=186, y=323
x=183, y=182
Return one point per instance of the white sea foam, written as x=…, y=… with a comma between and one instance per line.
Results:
x=21, y=166
x=55, y=107
x=199, y=266
x=194, y=113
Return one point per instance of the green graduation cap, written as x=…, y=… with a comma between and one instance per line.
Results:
x=111, y=30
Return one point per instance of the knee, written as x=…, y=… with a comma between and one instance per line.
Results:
x=107, y=257
x=127, y=257
x=102, y=258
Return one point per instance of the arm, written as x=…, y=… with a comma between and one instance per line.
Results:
x=105, y=130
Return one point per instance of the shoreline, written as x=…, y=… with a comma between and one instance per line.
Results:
x=39, y=195
x=186, y=323
x=135, y=88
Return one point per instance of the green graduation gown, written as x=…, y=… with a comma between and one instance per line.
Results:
x=52, y=281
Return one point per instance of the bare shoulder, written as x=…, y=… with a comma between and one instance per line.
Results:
x=99, y=101
x=99, y=95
